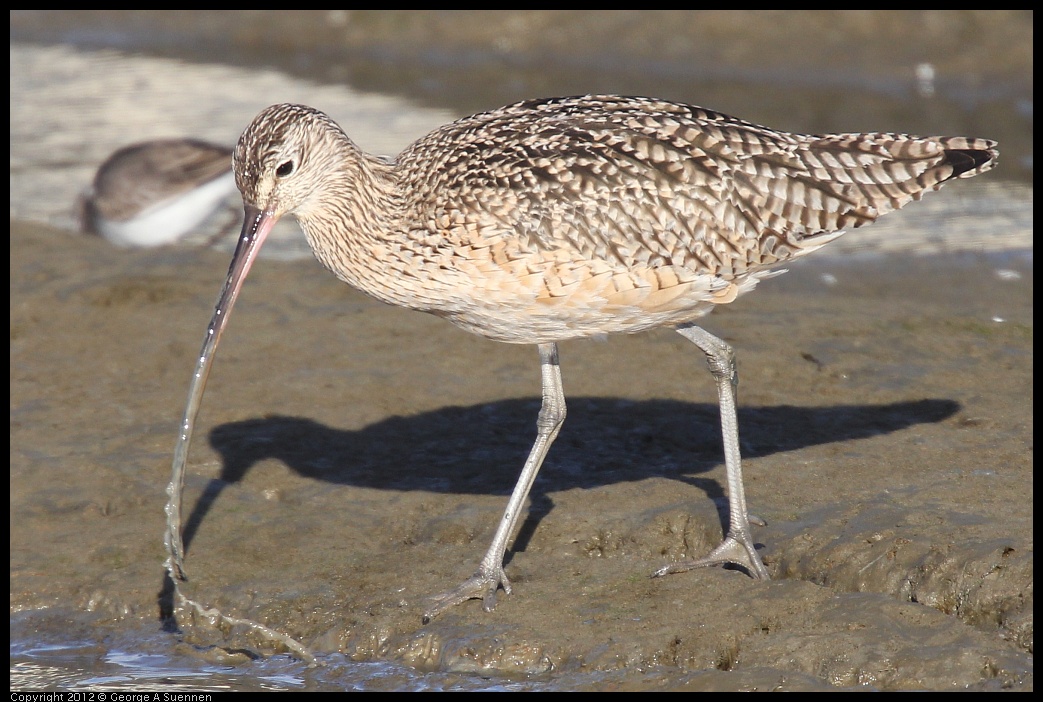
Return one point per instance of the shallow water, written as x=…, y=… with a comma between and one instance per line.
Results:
x=137, y=659
x=885, y=406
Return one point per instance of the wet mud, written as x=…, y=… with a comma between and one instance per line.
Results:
x=353, y=459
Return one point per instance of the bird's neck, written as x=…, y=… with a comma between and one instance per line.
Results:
x=356, y=222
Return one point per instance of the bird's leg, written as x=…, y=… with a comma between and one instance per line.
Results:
x=737, y=547
x=490, y=576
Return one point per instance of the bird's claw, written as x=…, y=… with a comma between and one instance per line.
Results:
x=480, y=586
x=734, y=550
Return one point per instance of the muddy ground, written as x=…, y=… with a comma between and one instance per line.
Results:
x=353, y=459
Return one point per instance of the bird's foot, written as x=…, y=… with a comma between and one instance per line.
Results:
x=736, y=550
x=480, y=586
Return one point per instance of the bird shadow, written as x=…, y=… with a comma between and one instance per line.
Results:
x=480, y=449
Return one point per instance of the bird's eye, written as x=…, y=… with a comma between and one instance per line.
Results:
x=284, y=169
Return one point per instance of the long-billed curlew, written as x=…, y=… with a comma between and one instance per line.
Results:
x=565, y=218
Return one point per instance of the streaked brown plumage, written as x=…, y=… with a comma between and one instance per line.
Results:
x=570, y=217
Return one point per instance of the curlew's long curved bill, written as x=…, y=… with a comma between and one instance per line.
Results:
x=255, y=230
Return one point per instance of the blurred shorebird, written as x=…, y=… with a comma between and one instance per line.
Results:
x=161, y=192
x=565, y=218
